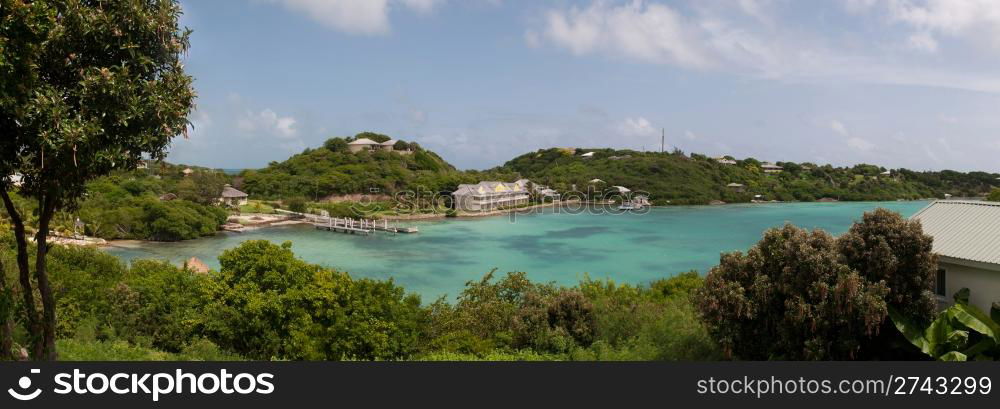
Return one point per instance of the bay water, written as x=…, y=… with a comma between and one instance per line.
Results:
x=551, y=245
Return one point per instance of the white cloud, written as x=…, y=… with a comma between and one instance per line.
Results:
x=637, y=127
x=853, y=142
x=269, y=122
x=367, y=17
x=922, y=41
x=757, y=10
x=948, y=16
x=422, y=6
x=706, y=38
x=643, y=31
x=839, y=128
x=977, y=21
x=690, y=135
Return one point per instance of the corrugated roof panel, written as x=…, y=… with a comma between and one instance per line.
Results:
x=963, y=229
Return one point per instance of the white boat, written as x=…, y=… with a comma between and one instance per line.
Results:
x=637, y=203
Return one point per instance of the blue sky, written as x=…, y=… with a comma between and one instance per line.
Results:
x=900, y=83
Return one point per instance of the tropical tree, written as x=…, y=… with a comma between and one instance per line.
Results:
x=85, y=88
x=790, y=297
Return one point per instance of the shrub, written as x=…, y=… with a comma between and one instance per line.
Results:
x=265, y=303
x=297, y=204
x=805, y=295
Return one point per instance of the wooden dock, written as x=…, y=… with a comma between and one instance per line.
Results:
x=344, y=226
x=354, y=226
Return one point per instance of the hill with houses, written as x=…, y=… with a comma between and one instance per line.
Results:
x=367, y=163
x=676, y=178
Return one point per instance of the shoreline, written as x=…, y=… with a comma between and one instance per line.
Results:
x=286, y=221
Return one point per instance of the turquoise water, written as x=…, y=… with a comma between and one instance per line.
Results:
x=560, y=247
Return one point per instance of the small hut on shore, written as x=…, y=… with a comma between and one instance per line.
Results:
x=232, y=197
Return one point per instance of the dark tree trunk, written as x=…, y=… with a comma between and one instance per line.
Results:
x=6, y=315
x=24, y=270
x=42, y=278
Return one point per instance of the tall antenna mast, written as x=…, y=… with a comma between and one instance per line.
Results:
x=663, y=138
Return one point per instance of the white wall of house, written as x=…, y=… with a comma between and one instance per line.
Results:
x=982, y=280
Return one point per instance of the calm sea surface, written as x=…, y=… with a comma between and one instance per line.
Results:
x=560, y=247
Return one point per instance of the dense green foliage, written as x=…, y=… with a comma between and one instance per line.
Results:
x=266, y=304
x=696, y=179
x=593, y=321
x=332, y=170
x=128, y=205
x=806, y=295
x=994, y=195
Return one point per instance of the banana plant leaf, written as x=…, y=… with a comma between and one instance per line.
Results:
x=911, y=332
x=953, y=356
x=975, y=319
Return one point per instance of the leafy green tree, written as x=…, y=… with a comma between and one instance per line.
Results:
x=994, y=195
x=336, y=144
x=85, y=88
x=265, y=303
x=202, y=187
x=790, y=297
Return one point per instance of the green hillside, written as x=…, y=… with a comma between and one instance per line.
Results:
x=697, y=179
x=332, y=169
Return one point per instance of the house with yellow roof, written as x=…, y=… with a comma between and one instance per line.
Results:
x=487, y=196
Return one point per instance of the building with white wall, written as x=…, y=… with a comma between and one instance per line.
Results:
x=967, y=239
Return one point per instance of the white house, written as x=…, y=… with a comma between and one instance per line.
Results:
x=967, y=239
x=359, y=145
x=365, y=144
x=587, y=155
x=486, y=196
x=769, y=167
x=725, y=161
